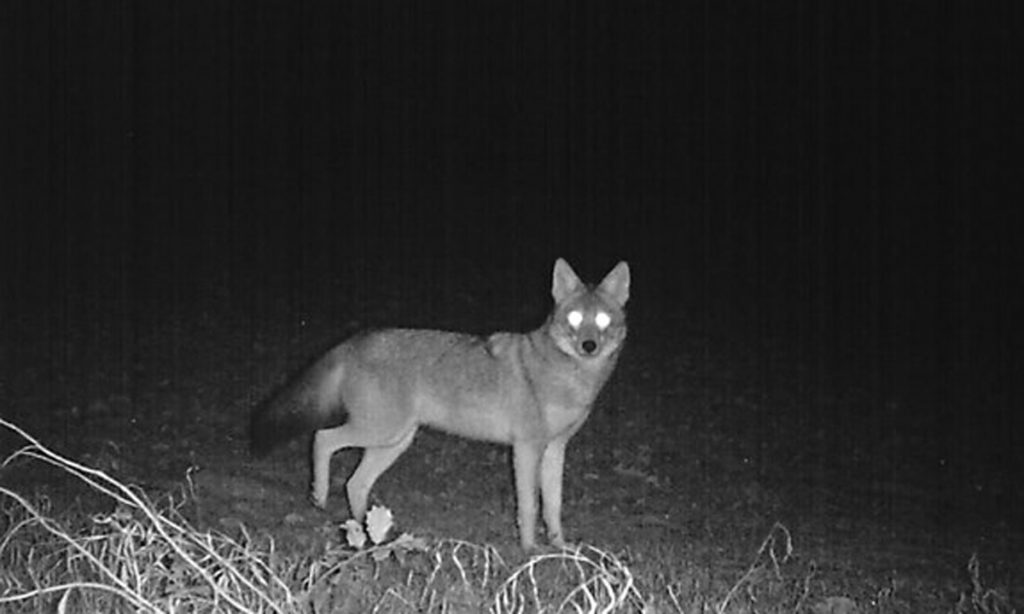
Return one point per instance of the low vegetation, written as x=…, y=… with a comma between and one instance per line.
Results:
x=137, y=554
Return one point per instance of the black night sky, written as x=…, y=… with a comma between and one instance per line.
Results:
x=835, y=185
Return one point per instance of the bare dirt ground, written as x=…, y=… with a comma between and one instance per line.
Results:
x=698, y=446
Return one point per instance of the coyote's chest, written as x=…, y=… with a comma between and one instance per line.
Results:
x=567, y=398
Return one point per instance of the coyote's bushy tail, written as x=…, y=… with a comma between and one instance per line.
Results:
x=298, y=408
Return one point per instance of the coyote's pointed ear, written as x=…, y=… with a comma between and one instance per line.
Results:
x=564, y=282
x=616, y=283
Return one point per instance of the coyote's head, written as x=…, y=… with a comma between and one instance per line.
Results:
x=589, y=322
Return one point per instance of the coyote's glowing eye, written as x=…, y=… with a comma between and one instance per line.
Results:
x=602, y=320
x=575, y=319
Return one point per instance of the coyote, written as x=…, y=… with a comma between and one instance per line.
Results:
x=532, y=391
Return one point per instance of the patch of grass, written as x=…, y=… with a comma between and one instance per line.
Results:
x=139, y=557
x=145, y=556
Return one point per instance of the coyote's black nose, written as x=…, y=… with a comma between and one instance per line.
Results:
x=589, y=346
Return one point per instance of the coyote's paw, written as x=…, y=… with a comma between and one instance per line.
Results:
x=317, y=502
x=559, y=543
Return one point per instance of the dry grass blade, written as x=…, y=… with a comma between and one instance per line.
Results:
x=583, y=580
x=149, y=558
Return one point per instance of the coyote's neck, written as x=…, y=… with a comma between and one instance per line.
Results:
x=580, y=378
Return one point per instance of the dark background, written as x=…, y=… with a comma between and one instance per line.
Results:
x=841, y=179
